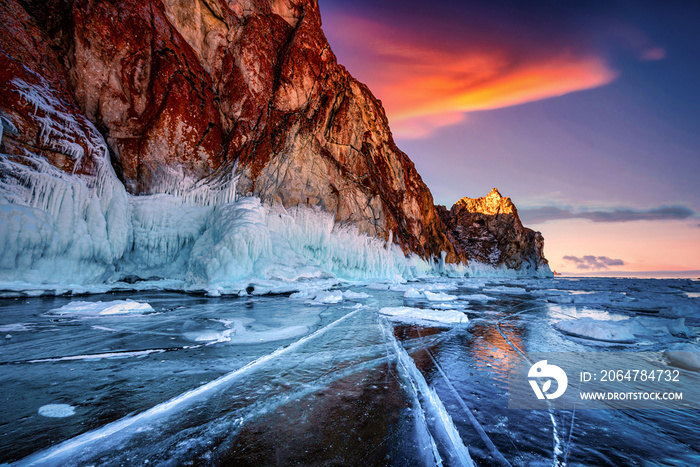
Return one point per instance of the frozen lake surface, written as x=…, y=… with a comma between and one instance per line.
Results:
x=381, y=374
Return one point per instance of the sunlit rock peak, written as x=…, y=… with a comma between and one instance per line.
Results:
x=488, y=230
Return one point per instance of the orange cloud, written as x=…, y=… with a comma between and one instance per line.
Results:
x=426, y=85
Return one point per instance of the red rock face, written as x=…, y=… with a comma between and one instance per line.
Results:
x=138, y=79
x=39, y=114
x=489, y=230
x=183, y=90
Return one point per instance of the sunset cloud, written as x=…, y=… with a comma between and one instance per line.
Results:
x=544, y=214
x=425, y=85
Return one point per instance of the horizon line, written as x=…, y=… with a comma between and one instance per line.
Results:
x=661, y=274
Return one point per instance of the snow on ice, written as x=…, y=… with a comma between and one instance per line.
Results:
x=439, y=297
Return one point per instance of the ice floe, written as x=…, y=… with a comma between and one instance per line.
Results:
x=325, y=298
x=624, y=329
x=350, y=295
x=57, y=410
x=404, y=313
x=685, y=356
x=589, y=328
x=412, y=293
x=116, y=307
x=439, y=297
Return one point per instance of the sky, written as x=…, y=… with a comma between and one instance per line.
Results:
x=585, y=113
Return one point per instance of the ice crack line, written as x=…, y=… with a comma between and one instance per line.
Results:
x=52, y=455
x=475, y=423
x=443, y=422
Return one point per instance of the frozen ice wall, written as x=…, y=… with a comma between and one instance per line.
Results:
x=248, y=244
x=56, y=227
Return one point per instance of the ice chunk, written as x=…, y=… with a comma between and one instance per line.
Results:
x=350, y=295
x=446, y=306
x=678, y=328
x=335, y=296
x=57, y=410
x=404, y=313
x=659, y=327
x=561, y=299
x=412, y=293
x=589, y=328
x=505, y=290
x=439, y=297
x=644, y=305
x=116, y=307
x=685, y=356
x=231, y=327
x=306, y=293
x=688, y=309
x=477, y=297
x=211, y=336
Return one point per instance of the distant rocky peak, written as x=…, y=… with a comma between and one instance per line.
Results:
x=491, y=204
x=489, y=230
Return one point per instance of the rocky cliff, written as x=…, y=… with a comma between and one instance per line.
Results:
x=183, y=92
x=489, y=230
